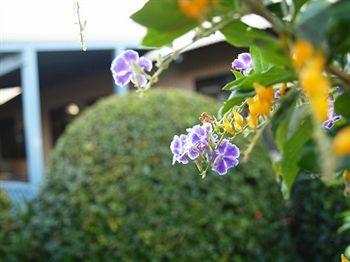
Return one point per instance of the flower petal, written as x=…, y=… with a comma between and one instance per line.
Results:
x=246, y=71
x=245, y=58
x=193, y=153
x=120, y=66
x=328, y=124
x=122, y=79
x=237, y=65
x=207, y=127
x=232, y=150
x=230, y=161
x=220, y=166
x=130, y=56
x=145, y=64
x=222, y=146
x=139, y=79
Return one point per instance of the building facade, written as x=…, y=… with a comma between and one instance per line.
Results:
x=45, y=86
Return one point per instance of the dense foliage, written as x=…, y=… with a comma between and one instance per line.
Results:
x=295, y=82
x=315, y=218
x=113, y=193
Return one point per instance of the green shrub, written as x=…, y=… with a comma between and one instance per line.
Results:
x=6, y=221
x=13, y=244
x=315, y=218
x=112, y=192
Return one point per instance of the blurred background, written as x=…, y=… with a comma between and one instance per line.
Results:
x=46, y=79
x=85, y=166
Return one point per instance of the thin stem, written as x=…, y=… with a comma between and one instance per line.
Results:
x=341, y=74
x=173, y=56
x=253, y=142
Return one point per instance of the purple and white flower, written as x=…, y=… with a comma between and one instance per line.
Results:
x=201, y=146
x=128, y=66
x=199, y=138
x=243, y=63
x=332, y=117
x=179, y=150
x=226, y=157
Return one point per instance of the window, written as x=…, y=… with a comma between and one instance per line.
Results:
x=11, y=138
x=212, y=86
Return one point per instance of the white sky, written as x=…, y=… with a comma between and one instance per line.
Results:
x=54, y=20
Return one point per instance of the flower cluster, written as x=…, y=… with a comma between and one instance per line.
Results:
x=316, y=85
x=243, y=63
x=203, y=147
x=260, y=104
x=195, y=9
x=128, y=66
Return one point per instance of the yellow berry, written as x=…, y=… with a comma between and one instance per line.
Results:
x=228, y=126
x=238, y=118
x=252, y=121
x=344, y=258
x=301, y=52
x=346, y=175
x=341, y=142
x=253, y=104
x=319, y=106
x=264, y=108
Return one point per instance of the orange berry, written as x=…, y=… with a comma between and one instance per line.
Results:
x=264, y=93
x=301, y=52
x=341, y=142
x=194, y=9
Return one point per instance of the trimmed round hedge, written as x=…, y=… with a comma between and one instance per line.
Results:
x=112, y=192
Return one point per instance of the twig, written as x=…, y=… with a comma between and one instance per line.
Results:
x=165, y=63
x=82, y=25
x=252, y=144
x=258, y=8
x=341, y=74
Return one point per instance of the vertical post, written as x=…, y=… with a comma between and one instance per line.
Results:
x=32, y=116
x=119, y=90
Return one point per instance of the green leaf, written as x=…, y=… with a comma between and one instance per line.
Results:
x=292, y=154
x=281, y=118
x=241, y=35
x=310, y=158
x=272, y=76
x=260, y=64
x=238, y=75
x=325, y=24
x=236, y=98
x=342, y=105
x=162, y=15
x=155, y=38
